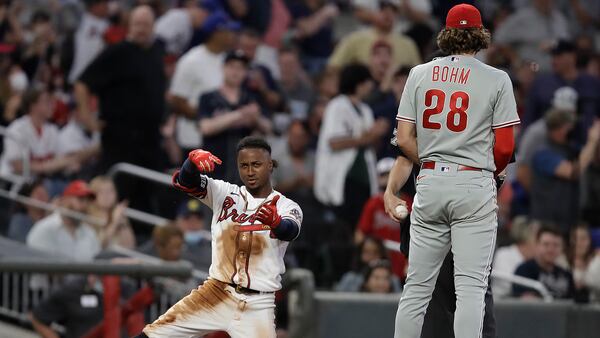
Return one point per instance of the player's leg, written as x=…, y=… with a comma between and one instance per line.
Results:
x=429, y=244
x=473, y=242
x=206, y=309
x=439, y=317
x=254, y=318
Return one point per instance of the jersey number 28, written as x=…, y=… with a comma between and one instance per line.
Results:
x=456, y=120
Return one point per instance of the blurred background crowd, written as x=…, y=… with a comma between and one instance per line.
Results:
x=88, y=84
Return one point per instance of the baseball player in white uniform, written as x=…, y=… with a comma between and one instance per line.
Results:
x=455, y=120
x=251, y=228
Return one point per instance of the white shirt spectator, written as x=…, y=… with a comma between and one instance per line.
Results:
x=507, y=259
x=73, y=138
x=89, y=42
x=175, y=29
x=341, y=120
x=197, y=72
x=23, y=136
x=50, y=235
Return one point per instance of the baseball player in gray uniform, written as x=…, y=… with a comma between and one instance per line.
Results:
x=455, y=119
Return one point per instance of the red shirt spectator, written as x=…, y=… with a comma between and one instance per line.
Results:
x=375, y=222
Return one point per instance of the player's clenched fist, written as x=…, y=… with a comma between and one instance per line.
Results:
x=267, y=213
x=204, y=160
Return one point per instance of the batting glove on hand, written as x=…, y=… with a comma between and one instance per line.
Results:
x=267, y=213
x=204, y=160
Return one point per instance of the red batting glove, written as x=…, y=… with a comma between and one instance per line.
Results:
x=267, y=214
x=204, y=160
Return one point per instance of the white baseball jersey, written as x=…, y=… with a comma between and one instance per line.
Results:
x=41, y=144
x=251, y=259
x=455, y=102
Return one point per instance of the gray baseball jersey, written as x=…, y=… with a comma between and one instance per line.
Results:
x=455, y=102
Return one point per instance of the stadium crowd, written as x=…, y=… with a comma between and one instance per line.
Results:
x=89, y=84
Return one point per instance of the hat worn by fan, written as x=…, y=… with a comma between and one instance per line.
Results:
x=463, y=16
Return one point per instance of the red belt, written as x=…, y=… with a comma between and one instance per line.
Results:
x=431, y=165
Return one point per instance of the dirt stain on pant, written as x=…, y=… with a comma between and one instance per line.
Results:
x=204, y=298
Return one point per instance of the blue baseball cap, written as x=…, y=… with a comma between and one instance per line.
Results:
x=219, y=20
x=191, y=207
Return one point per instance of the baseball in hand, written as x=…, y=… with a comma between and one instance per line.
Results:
x=401, y=211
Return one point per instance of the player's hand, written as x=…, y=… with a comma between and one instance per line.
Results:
x=390, y=202
x=204, y=160
x=267, y=214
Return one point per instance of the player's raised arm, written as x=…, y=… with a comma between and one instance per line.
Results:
x=188, y=179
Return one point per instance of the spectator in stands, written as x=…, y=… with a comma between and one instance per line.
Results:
x=328, y=84
x=34, y=134
x=229, y=114
x=357, y=46
x=536, y=135
x=375, y=222
x=565, y=73
x=198, y=72
x=347, y=136
x=556, y=168
x=543, y=268
x=260, y=81
x=78, y=306
x=508, y=258
x=579, y=254
x=88, y=40
x=176, y=26
x=380, y=66
x=313, y=31
x=27, y=215
x=532, y=32
x=63, y=235
x=296, y=166
x=369, y=251
x=254, y=14
x=38, y=52
x=190, y=220
x=74, y=139
x=11, y=33
x=386, y=107
x=168, y=242
x=130, y=83
x=115, y=228
x=15, y=81
x=378, y=278
x=315, y=119
x=295, y=83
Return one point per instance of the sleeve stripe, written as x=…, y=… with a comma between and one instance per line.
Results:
x=405, y=119
x=507, y=124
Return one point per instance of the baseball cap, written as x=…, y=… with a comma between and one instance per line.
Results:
x=219, y=20
x=385, y=165
x=191, y=207
x=563, y=46
x=463, y=16
x=78, y=188
x=565, y=98
x=237, y=55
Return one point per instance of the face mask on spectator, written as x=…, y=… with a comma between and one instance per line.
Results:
x=193, y=237
x=18, y=81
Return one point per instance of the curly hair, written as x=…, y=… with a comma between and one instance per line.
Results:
x=458, y=41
